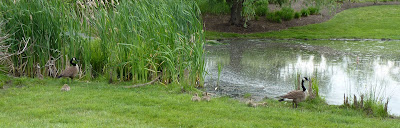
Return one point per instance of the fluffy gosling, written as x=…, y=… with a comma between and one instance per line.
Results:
x=206, y=96
x=65, y=88
x=38, y=73
x=251, y=103
x=196, y=98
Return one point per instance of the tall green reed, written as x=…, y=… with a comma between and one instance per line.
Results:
x=129, y=40
x=374, y=100
x=34, y=20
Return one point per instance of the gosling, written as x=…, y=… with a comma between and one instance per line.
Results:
x=70, y=71
x=251, y=103
x=65, y=88
x=196, y=98
x=206, y=96
x=38, y=73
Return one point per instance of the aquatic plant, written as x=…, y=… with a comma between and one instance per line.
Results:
x=315, y=84
x=372, y=102
x=219, y=72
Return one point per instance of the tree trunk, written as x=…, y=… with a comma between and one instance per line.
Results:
x=236, y=12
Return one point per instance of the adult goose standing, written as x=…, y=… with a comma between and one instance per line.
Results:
x=70, y=71
x=297, y=95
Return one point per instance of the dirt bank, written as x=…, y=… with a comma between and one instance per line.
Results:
x=220, y=23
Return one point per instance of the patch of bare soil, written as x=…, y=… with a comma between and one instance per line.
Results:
x=220, y=23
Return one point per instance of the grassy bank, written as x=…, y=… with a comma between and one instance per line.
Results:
x=374, y=22
x=128, y=40
x=40, y=103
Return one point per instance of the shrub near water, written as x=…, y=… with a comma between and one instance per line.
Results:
x=261, y=7
x=287, y=13
x=313, y=10
x=131, y=40
x=284, y=14
x=305, y=12
x=213, y=6
x=297, y=15
x=273, y=17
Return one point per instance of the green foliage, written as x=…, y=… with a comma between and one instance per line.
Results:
x=372, y=105
x=247, y=95
x=352, y=23
x=315, y=84
x=3, y=80
x=257, y=18
x=287, y=13
x=261, y=7
x=213, y=6
x=305, y=12
x=134, y=40
x=375, y=108
x=313, y=10
x=249, y=11
x=297, y=15
x=34, y=21
x=279, y=2
x=274, y=17
x=220, y=66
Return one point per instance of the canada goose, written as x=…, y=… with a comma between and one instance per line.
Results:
x=196, y=97
x=70, y=71
x=38, y=73
x=65, y=88
x=206, y=96
x=297, y=96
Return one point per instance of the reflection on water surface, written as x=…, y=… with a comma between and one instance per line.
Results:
x=266, y=68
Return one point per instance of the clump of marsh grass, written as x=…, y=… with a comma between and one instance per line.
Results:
x=126, y=40
x=373, y=102
x=315, y=85
x=220, y=66
x=6, y=64
x=369, y=104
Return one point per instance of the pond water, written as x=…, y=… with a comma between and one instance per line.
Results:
x=268, y=68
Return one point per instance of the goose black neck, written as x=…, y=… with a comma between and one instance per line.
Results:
x=302, y=85
x=72, y=63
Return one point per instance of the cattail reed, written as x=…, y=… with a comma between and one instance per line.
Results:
x=135, y=39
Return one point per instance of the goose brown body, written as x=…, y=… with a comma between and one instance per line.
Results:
x=70, y=71
x=297, y=96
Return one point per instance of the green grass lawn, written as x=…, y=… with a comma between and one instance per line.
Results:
x=40, y=103
x=374, y=22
